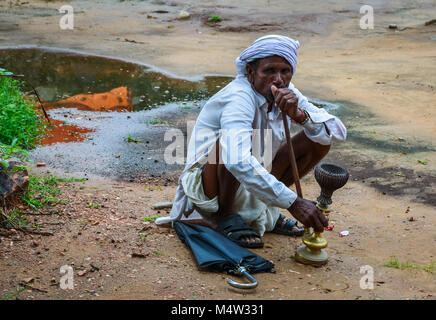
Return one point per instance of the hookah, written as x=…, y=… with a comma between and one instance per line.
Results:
x=330, y=178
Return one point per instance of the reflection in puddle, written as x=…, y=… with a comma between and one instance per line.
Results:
x=60, y=131
x=118, y=99
x=59, y=75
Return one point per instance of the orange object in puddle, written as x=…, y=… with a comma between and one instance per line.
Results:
x=118, y=99
x=60, y=132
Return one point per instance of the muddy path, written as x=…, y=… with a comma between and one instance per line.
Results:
x=383, y=80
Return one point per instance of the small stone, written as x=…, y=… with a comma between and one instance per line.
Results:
x=82, y=272
x=184, y=15
x=162, y=205
x=28, y=280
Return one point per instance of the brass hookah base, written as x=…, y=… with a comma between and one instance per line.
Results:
x=312, y=251
x=330, y=177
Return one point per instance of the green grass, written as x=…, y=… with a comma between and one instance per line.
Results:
x=157, y=253
x=16, y=218
x=42, y=192
x=158, y=188
x=395, y=263
x=93, y=205
x=11, y=294
x=132, y=139
x=153, y=218
x=68, y=180
x=156, y=121
x=20, y=122
x=214, y=18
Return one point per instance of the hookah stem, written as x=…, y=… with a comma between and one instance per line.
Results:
x=292, y=157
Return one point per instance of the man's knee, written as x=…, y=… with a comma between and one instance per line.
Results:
x=321, y=150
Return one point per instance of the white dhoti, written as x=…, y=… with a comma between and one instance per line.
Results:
x=256, y=214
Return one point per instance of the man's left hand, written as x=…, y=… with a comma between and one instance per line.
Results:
x=287, y=101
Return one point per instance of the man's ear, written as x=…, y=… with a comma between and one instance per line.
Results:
x=250, y=73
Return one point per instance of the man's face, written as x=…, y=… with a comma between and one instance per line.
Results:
x=272, y=70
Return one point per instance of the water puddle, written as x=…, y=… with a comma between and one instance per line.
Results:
x=67, y=79
x=70, y=79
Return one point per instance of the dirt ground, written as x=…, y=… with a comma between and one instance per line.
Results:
x=388, y=206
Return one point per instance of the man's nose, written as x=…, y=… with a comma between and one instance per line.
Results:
x=278, y=80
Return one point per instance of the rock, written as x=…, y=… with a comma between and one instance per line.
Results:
x=162, y=205
x=35, y=243
x=13, y=182
x=28, y=280
x=82, y=273
x=430, y=22
x=183, y=15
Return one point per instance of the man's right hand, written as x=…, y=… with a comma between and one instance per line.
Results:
x=308, y=214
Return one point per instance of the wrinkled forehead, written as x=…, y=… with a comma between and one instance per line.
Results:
x=275, y=60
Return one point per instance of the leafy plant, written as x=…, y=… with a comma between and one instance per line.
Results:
x=20, y=123
x=214, y=18
x=42, y=191
x=131, y=139
x=11, y=151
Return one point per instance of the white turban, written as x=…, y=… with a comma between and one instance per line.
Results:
x=267, y=46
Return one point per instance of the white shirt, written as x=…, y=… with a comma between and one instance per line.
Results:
x=233, y=115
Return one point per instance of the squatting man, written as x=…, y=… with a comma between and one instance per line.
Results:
x=225, y=182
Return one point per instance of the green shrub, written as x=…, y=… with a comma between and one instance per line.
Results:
x=20, y=123
x=214, y=18
x=11, y=151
